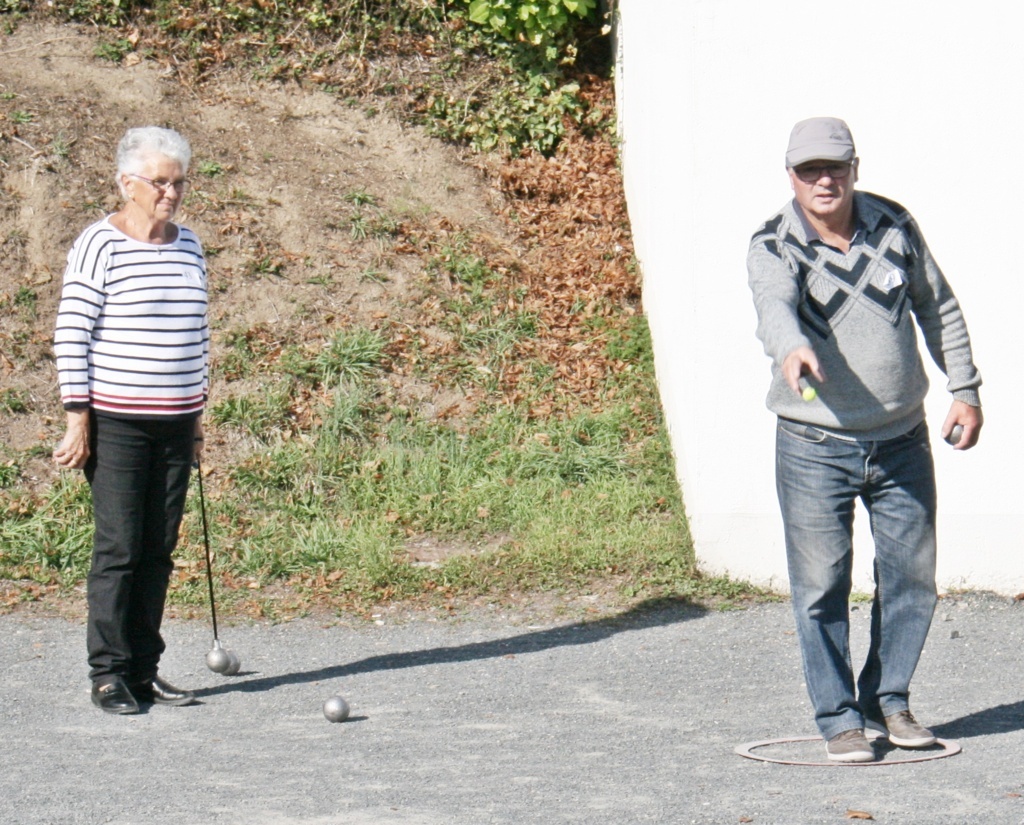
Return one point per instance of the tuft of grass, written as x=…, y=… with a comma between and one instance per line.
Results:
x=262, y=416
x=61, y=146
x=349, y=356
x=358, y=197
x=26, y=300
x=48, y=538
x=359, y=227
x=13, y=400
x=246, y=352
x=10, y=473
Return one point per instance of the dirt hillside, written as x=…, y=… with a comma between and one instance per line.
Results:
x=313, y=212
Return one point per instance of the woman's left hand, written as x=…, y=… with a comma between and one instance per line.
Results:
x=198, y=442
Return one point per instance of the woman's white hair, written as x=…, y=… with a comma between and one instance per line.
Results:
x=143, y=142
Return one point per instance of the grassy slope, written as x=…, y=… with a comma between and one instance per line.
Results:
x=554, y=475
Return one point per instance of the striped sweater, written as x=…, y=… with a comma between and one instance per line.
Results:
x=132, y=339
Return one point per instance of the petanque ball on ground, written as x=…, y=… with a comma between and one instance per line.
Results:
x=336, y=709
x=234, y=665
x=218, y=660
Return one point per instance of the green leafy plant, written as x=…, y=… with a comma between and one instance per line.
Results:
x=541, y=23
x=12, y=11
x=114, y=51
x=100, y=12
x=265, y=265
x=526, y=113
x=210, y=168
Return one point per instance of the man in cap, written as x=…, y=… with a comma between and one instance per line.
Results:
x=838, y=277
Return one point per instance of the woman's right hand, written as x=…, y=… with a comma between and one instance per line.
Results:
x=73, y=450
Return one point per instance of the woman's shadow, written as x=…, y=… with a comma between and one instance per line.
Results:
x=651, y=613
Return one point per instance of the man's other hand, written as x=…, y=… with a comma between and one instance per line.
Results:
x=968, y=417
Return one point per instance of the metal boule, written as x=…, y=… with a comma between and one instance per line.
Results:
x=234, y=665
x=218, y=659
x=336, y=709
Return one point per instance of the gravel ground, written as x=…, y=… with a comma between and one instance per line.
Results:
x=628, y=719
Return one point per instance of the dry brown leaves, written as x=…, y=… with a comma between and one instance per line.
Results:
x=570, y=210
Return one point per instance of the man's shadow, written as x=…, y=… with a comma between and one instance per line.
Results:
x=650, y=613
x=1000, y=719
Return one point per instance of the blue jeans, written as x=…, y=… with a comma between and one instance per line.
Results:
x=819, y=478
x=139, y=473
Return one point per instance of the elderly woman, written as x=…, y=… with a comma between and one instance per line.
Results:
x=132, y=347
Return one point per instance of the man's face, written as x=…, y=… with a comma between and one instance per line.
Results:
x=824, y=188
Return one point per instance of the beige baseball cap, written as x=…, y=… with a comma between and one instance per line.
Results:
x=820, y=138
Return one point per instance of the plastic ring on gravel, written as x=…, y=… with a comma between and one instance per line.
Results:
x=949, y=748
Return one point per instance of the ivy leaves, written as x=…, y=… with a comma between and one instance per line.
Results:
x=540, y=23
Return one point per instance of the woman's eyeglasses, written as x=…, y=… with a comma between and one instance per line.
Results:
x=163, y=185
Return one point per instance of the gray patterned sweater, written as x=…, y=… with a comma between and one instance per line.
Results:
x=854, y=310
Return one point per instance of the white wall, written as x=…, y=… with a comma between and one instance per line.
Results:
x=708, y=91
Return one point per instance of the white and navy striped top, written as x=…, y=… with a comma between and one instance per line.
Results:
x=132, y=338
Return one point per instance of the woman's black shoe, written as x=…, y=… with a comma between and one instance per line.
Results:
x=160, y=692
x=114, y=697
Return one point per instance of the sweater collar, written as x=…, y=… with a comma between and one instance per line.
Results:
x=866, y=216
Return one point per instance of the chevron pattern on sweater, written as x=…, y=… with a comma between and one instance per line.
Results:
x=846, y=278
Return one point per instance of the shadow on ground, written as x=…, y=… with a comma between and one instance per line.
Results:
x=647, y=614
x=999, y=719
